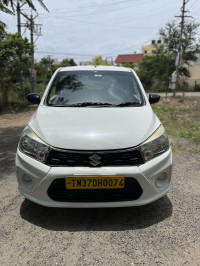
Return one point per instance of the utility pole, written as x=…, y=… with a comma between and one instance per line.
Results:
x=35, y=29
x=18, y=18
x=50, y=64
x=179, y=55
x=32, y=54
x=167, y=72
x=18, y=8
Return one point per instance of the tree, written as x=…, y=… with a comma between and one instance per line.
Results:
x=67, y=62
x=128, y=64
x=45, y=68
x=98, y=60
x=2, y=30
x=154, y=70
x=14, y=58
x=190, y=46
x=9, y=6
x=4, y=4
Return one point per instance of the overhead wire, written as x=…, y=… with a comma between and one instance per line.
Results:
x=117, y=24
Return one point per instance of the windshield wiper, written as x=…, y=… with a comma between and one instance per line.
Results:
x=88, y=104
x=96, y=104
x=128, y=104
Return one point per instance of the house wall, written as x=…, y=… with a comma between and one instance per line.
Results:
x=148, y=49
x=195, y=74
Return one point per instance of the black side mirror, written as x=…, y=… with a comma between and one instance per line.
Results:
x=33, y=98
x=154, y=98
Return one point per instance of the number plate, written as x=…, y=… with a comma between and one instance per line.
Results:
x=95, y=182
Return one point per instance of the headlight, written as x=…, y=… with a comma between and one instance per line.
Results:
x=33, y=146
x=155, y=145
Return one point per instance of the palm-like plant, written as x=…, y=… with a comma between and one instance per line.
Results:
x=4, y=4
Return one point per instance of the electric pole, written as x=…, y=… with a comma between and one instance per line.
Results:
x=32, y=54
x=179, y=55
x=18, y=8
x=35, y=29
x=168, y=50
x=18, y=18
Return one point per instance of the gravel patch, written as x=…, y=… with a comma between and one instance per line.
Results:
x=166, y=232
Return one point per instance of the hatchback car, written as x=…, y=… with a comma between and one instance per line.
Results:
x=94, y=141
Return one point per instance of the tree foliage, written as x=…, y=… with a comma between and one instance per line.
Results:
x=155, y=69
x=14, y=58
x=9, y=6
x=46, y=67
x=152, y=69
x=98, y=60
x=128, y=64
x=67, y=62
x=190, y=46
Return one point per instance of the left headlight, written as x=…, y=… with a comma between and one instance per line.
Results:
x=33, y=146
x=155, y=145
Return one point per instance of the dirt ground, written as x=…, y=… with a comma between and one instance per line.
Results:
x=166, y=232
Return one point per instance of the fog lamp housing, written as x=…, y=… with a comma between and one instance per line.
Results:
x=27, y=182
x=161, y=180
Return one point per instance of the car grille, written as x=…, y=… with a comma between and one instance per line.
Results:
x=123, y=157
x=58, y=192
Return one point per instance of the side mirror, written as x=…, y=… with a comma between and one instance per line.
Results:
x=154, y=98
x=33, y=98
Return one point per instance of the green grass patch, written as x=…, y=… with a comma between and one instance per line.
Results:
x=181, y=117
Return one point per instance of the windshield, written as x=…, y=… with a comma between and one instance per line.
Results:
x=94, y=88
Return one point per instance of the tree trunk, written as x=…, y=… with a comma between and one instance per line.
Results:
x=4, y=96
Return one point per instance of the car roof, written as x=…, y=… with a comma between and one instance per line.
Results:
x=93, y=68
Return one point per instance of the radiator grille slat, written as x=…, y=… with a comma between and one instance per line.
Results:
x=124, y=157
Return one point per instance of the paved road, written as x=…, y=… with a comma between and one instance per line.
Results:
x=166, y=232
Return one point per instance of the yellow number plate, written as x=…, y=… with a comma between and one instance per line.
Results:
x=94, y=182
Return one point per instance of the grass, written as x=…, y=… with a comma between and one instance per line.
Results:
x=181, y=118
x=17, y=103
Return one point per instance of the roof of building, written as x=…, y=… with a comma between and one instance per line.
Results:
x=129, y=58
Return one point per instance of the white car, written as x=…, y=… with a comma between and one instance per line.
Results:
x=94, y=141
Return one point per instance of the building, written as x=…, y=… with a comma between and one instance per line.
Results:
x=135, y=58
x=194, y=70
x=85, y=63
x=128, y=58
x=148, y=49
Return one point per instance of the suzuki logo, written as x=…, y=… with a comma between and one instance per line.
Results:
x=95, y=159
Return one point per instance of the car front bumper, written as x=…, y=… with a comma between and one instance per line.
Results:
x=34, y=179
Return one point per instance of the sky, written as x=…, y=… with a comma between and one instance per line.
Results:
x=84, y=29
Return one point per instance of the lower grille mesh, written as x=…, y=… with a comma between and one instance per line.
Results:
x=58, y=192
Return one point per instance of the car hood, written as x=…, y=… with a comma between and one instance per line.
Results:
x=93, y=128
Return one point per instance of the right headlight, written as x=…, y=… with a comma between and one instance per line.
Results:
x=155, y=145
x=33, y=146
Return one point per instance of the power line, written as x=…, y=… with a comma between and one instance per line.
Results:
x=104, y=11
x=87, y=7
x=107, y=10
x=91, y=55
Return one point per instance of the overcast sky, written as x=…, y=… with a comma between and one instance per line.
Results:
x=83, y=29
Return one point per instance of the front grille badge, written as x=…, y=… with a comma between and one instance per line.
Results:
x=95, y=159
